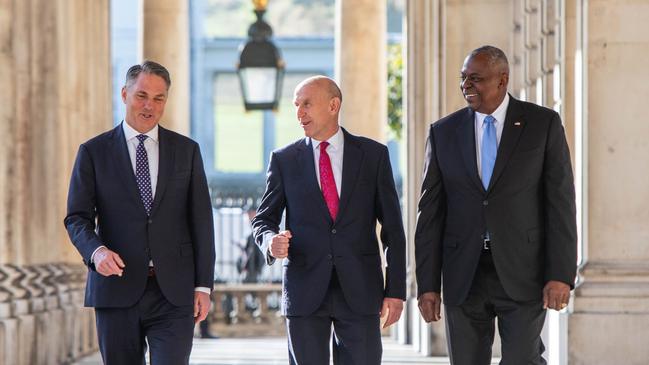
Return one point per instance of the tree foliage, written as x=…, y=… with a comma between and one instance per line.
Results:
x=395, y=89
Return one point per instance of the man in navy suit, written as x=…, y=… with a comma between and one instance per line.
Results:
x=334, y=188
x=139, y=213
x=496, y=219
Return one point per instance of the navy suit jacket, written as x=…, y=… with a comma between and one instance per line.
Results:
x=350, y=242
x=105, y=208
x=528, y=208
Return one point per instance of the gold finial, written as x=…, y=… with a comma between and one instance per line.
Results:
x=260, y=4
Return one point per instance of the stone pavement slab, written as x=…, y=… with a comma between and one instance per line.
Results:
x=272, y=351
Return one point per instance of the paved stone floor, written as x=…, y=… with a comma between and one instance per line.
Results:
x=272, y=351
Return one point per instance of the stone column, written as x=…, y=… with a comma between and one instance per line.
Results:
x=361, y=66
x=83, y=73
x=467, y=25
x=422, y=105
x=55, y=77
x=609, y=323
x=569, y=80
x=55, y=73
x=164, y=39
x=7, y=113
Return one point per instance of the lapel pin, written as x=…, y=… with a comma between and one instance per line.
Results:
x=517, y=123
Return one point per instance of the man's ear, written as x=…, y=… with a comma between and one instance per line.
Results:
x=334, y=105
x=124, y=94
x=504, y=80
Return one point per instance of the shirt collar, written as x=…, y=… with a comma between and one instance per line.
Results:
x=335, y=142
x=130, y=133
x=500, y=113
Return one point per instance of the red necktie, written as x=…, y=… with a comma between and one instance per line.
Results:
x=327, y=182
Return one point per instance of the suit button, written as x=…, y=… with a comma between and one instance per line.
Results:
x=150, y=221
x=485, y=202
x=329, y=256
x=334, y=231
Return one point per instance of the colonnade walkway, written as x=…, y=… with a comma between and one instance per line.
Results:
x=272, y=351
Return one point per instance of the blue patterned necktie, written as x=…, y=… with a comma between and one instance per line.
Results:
x=142, y=174
x=488, y=150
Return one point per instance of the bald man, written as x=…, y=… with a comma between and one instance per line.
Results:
x=334, y=187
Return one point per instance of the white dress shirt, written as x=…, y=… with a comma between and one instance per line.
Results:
x=499, y=114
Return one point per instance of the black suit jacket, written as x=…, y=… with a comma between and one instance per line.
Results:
x=105, y=208
x=529, y=207
x=350, y=243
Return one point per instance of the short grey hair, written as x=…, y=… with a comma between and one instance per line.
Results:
x=148, y=67
x=496, y=56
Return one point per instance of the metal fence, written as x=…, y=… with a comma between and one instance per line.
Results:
x=231, y=229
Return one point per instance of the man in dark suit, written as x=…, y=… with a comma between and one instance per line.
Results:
x=139, y=213
x=334, y=188
x=496, y=219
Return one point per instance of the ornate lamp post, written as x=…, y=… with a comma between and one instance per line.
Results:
x=260, y=68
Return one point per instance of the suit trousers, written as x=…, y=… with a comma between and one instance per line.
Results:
x=356, y=338
x=124, y=332
x=470, y=326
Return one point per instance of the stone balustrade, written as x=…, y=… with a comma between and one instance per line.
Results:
x=42, y=319
x=240, y=310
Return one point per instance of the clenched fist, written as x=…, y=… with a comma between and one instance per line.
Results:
x=279, y=244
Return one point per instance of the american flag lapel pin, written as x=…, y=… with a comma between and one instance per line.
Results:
x=518, y=124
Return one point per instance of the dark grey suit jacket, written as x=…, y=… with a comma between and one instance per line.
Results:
x=528, y=208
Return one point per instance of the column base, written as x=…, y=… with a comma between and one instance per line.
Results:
x=609, y=323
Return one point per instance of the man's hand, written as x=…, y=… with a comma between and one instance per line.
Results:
x=392, y=308
x=556, y=295
x=108, y=262
x=202, y=305
x=430, y=304
x=279, y=244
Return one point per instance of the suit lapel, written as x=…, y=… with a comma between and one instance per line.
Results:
x=466, y=141
x=352, y=159
x=306, y=168
x=166, y=149
x=511, y=133
x=123, y=165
